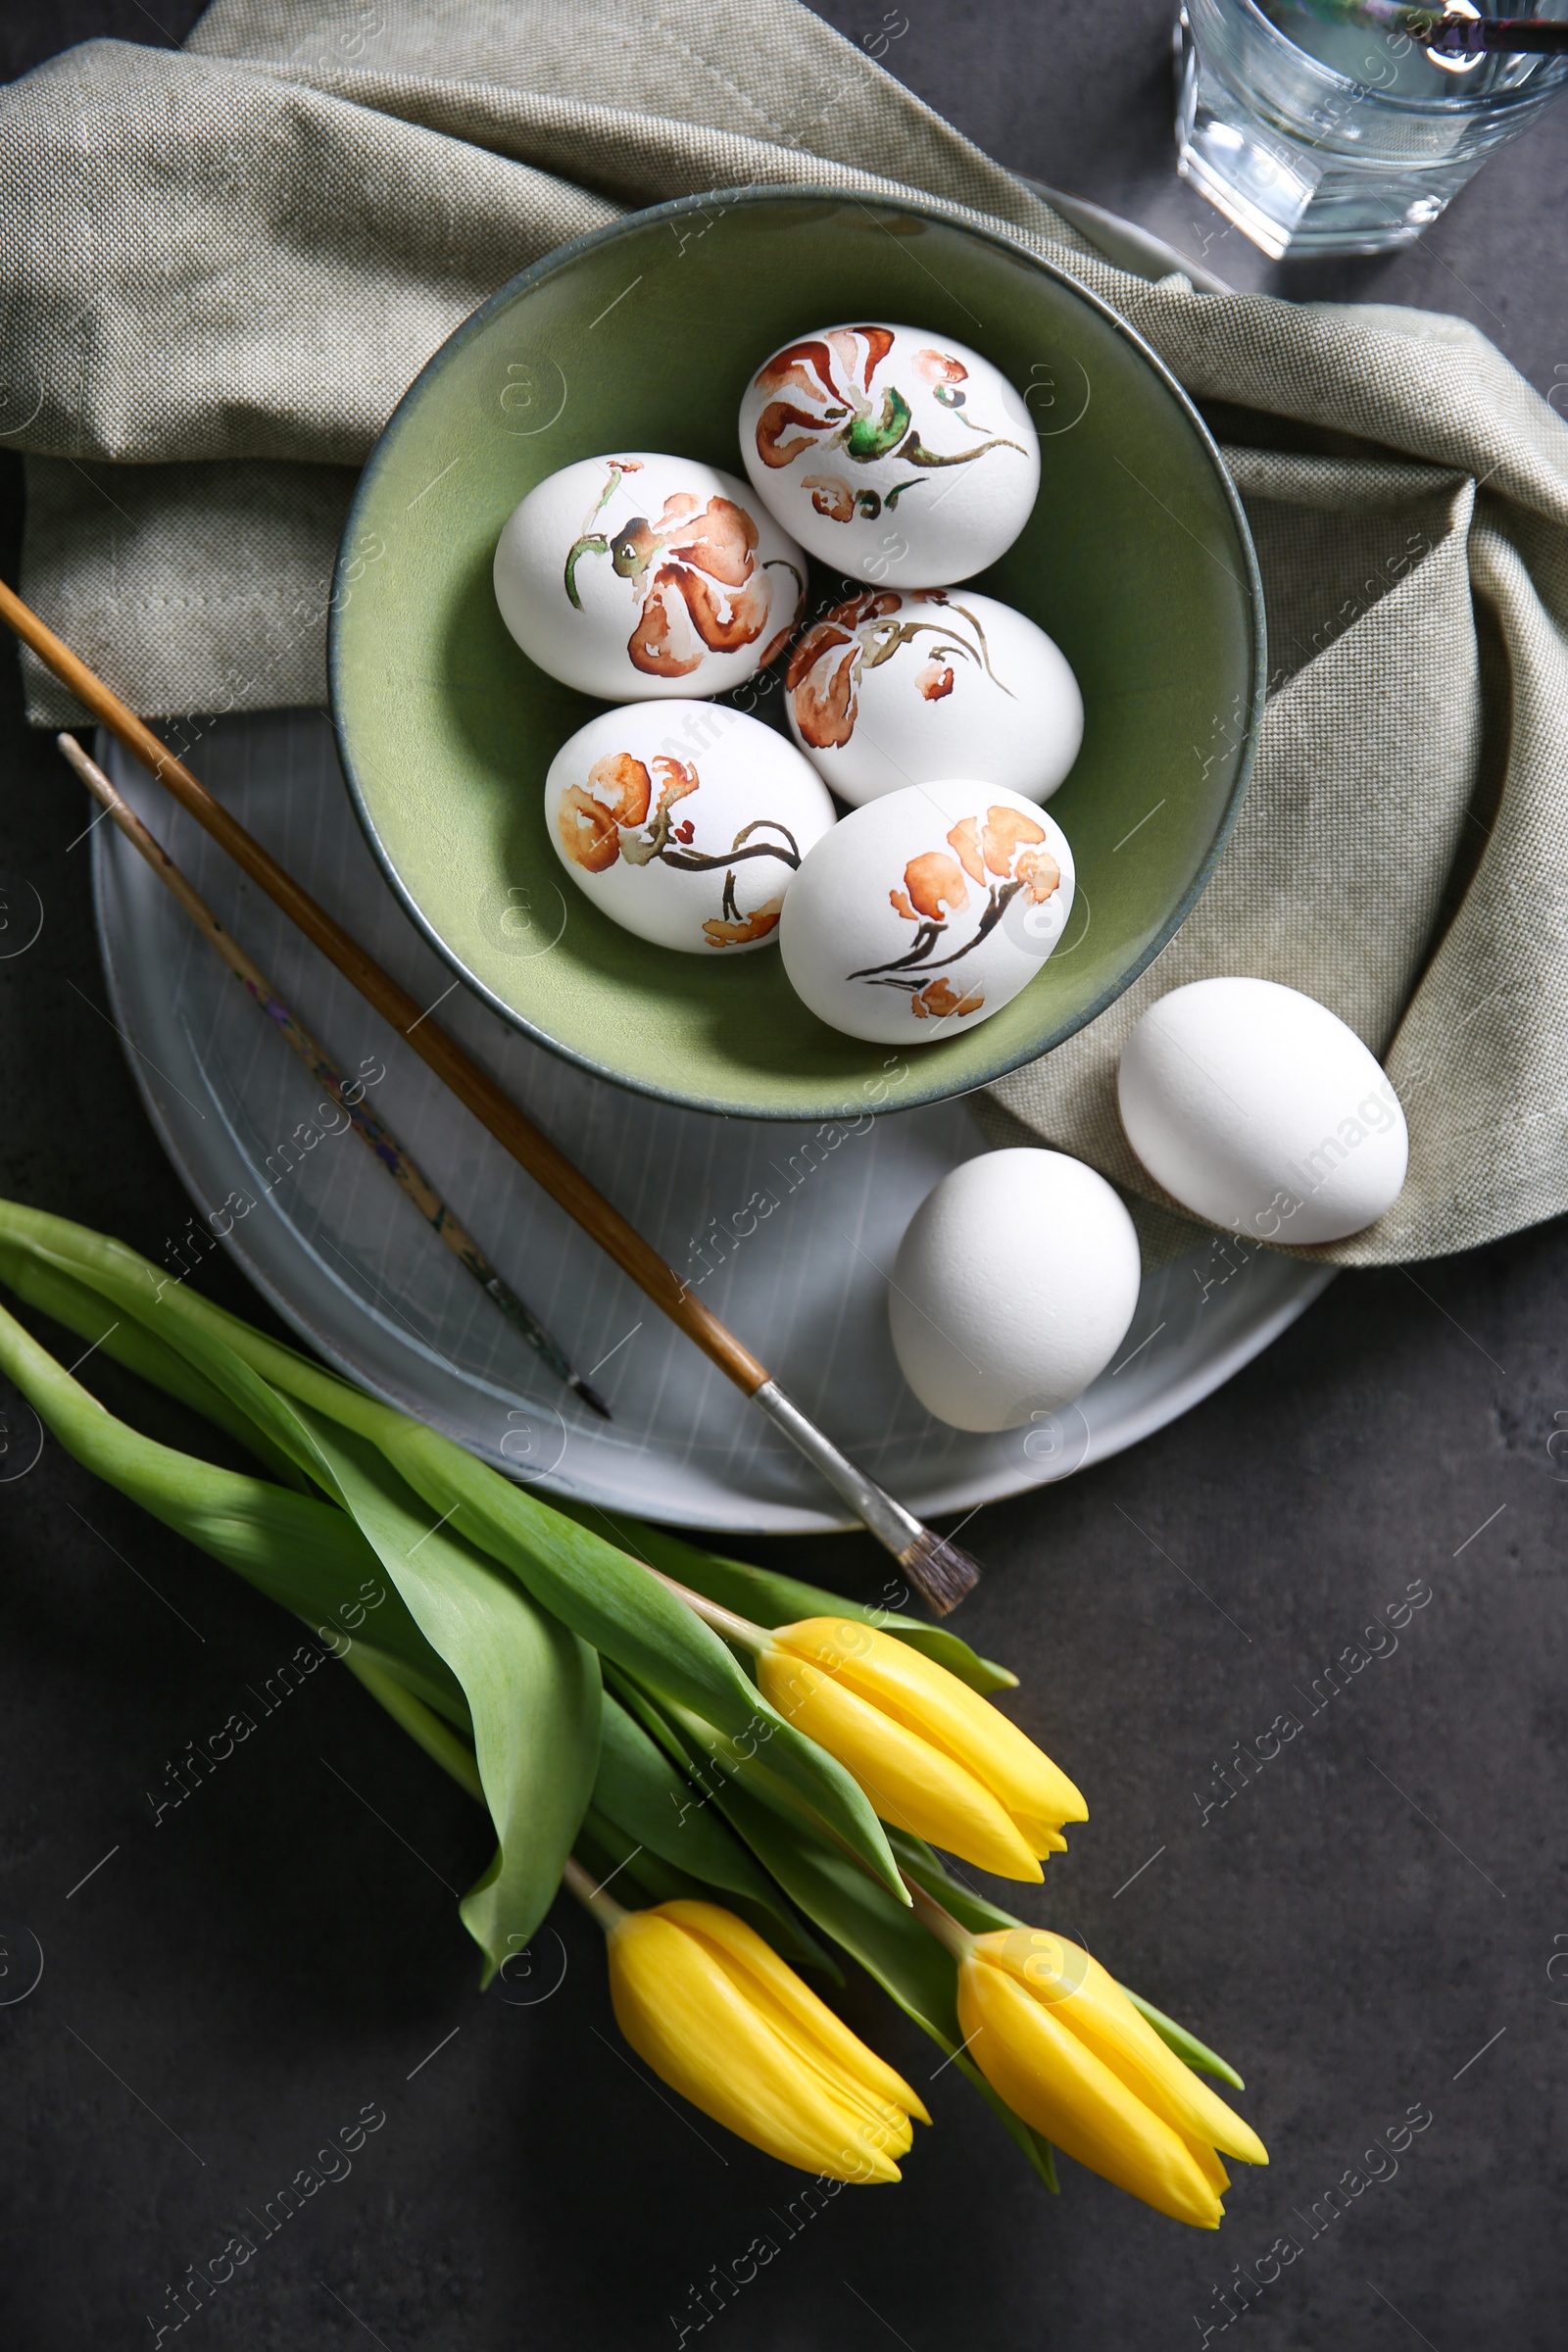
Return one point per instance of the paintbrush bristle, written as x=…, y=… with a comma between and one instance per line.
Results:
x=940, y=1571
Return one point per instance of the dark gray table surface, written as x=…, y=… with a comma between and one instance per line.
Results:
x=1371, y=1924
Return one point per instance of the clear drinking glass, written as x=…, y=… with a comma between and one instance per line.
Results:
x=1314, y=138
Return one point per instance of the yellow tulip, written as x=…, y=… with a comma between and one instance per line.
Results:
x=1059, y=2040
x=720, y=2017
x=932, y=1756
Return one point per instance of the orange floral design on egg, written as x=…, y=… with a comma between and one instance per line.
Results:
x=822, y=372
x=935, y=886
x=939, y=1000
x=939, y=370
x=1005, y=857
x=706, y=596
x=619, y=793
x=823, y=675
x=695, y=572
x=755, y=925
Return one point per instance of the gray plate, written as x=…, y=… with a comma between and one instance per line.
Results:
x=345, y=1258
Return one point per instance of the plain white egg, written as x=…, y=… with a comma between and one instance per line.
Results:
x=685, y=822
x=893, y=689
x=1012, y=1288
x=893, y=454
x=926, y=912
x=1258, y=1109
x=639, y=576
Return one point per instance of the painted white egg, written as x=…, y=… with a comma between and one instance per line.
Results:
x=926, y=912
x=639, y=576
x=1258, y=1109
x=685, y=822
x=1012, y=1289
x=893, y=454
x=893, y=689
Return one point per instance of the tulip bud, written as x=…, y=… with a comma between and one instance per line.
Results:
x=932, y=1756
x=1059, y=2040
x=718, y=2016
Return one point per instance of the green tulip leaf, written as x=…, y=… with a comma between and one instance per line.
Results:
x=710, y=1759
x=640, y=1790
x=431, y=1694
x=301, y=1552
x=635, y=1876
x=462, y=1632
x=770, y=1599
x=531, y=1686
x=608, y=1599
x=837, y=1896
x=388, y=1685
x=613, y=1602
x=70, y=1304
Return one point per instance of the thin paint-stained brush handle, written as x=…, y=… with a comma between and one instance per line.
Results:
x=373, y=1131
x=527, y=1143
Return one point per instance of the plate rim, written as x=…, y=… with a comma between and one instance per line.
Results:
x=566, y=256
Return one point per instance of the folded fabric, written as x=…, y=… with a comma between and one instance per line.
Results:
x=220, y=267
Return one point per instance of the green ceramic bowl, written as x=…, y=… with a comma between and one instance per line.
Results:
x=1137, y=561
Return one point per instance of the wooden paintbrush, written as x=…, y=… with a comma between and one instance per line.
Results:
x=937, y=1568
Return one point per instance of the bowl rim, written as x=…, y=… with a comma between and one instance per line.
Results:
x=562, y=257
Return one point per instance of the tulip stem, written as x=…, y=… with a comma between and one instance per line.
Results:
x=739, y=1629
x=949, y=1932
x=591, y=1896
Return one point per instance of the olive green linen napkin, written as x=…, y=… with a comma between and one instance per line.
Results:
x=220, y=267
